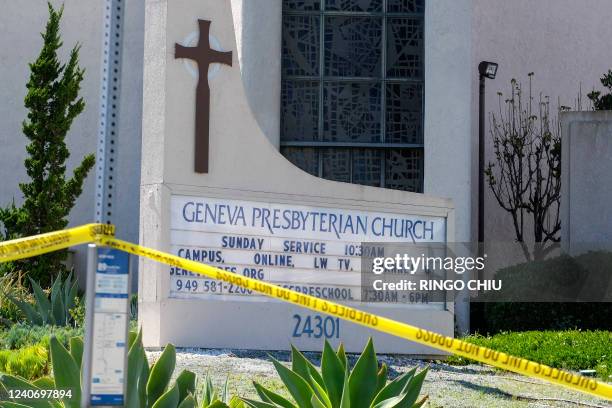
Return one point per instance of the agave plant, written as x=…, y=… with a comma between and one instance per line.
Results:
x=336, y=386
x=147, y=386
x=210, y=397
x=53, y=310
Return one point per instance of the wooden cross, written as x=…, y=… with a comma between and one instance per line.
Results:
x=203, y=55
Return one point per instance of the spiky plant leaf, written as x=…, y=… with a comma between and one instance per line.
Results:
x=209, y=394
x=342, y=355
x=160, y=374
x=66, y=373
x=363, y=378
x=135, y=367
x=394, y=388
x=421, y=402
x=43, y=306
x=303, y=367
x=413, y=389
x=11, y=382
x=44, y=383
x=345, y=402
x=143, y=379
x=225, y=396
x=332, y=371
x=170, y=399
x=320, y=393
x=217, y=404
x=188, y=402
x=272, y=397
x=9, y=404
x=186, y=382
x=258, y=404
x=382, y=378
x=132, y=335
x=236, y=402
x=33, y=317
x=76, y=350
x=316, y=402
x=58, y=312
x=297, y=386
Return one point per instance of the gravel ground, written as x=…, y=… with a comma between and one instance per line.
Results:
x=447, y=386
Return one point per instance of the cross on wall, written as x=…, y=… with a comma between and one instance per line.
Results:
x=203, y=55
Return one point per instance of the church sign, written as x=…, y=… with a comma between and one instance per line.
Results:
x=312, y=250
x=246, y=209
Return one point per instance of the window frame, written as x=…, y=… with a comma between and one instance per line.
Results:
x=321, y=79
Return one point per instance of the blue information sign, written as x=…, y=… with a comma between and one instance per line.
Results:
x=109, y=340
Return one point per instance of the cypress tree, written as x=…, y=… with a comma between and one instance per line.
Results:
x=53, y=102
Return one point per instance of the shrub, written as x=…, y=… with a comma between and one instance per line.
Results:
x=603, y=102
x=77, y=313
x=502, y=317
x=545, y=277
x=22, y=335
x=29, y=362
x=54, y=310
x=11, y=286
x=146, y=386
x=570, y=350
x=336, y=386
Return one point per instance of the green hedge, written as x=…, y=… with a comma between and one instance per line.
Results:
x=571, y=350
x=542, y=276
x=503, y=317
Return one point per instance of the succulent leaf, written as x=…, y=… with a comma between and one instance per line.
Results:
x=160, y=374
x=333, y=372
x=363, y=380
x=76, y=350
x=272, y=397
x=170, y=399
x=297, y=386
x=186, y=382
x=67, y=373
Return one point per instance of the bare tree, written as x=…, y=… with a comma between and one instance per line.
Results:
x=525, y=176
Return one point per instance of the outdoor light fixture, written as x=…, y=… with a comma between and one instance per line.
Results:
x=488, y=69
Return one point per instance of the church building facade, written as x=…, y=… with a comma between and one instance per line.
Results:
x=366, y=107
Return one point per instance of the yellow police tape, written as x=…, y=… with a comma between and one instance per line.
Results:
x=52, y=241
x=103, y=235
x=403, y=330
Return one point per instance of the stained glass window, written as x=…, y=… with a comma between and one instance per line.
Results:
x=353, y=90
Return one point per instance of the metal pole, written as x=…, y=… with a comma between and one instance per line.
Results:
x=110, y=93
x=92, y=262
x=479, y=314
x=481, y=159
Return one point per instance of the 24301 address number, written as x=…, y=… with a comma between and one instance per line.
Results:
x=316, y=326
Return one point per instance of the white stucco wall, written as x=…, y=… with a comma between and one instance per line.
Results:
x=258, y=36
x=20, y=42
x=447, y=106
x=564, y=42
